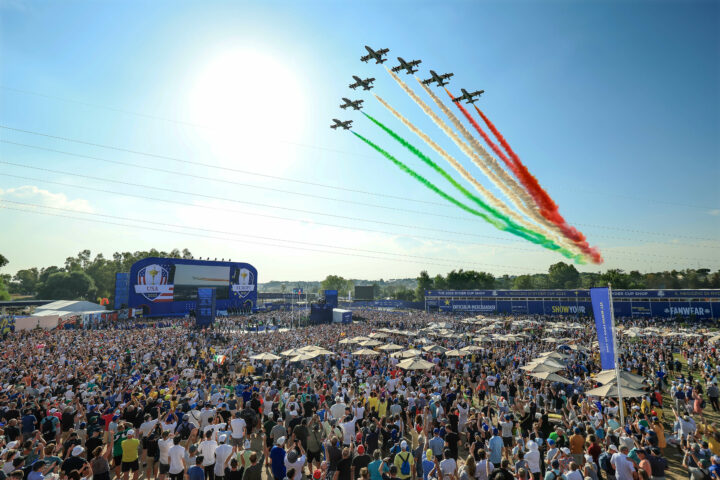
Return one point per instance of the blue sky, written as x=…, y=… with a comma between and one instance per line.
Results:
x=612, y=105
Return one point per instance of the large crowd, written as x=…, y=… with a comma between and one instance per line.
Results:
x=175, y=402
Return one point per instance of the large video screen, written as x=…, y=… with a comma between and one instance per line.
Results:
x=364, y=293
x=187, y=279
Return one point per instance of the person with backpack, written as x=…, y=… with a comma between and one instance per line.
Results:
x=48, y=427
x=554, y=473
x=605, y=464
x=404, y=462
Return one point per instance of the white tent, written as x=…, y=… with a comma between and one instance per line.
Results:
x=77, y=307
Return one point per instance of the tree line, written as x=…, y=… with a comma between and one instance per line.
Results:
x=80, y=278
x=83, y=277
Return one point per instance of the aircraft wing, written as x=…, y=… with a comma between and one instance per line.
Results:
x=382, y=51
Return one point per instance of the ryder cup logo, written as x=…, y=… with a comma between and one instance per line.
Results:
x=152, y=283
x=245, y=283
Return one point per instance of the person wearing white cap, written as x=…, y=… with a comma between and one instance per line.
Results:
x=223, y=455
x=74, y=461
x=624, y=467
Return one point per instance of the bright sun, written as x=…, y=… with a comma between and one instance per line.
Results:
x=249, y=100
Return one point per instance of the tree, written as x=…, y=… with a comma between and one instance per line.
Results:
x=335, y=282
x=563, y=275
x=26, y=281
x=523, y=282
x=406, y=294
x=4, y=294
x=424, y=282
x=75, y=285
x=469, y=280
x=376, y=290
x=616, y=278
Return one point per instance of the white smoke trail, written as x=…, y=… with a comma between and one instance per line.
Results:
x=514, y=198
x=499, y=176
x=492, y=199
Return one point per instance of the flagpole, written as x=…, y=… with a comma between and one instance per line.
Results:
x=617, y=364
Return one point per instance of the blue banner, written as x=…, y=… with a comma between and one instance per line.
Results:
x=604, y=325
x=579, y=294
x=122, y=290
x=206, y=307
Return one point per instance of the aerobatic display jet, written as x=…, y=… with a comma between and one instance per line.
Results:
x=356, y=105
x=407, y=66
x=345, y=125
x=434, y=77
x=366, y=84
x=376, y=55
x=469, y=97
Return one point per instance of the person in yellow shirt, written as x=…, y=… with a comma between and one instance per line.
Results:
x=660, y=432
x=373, y=402
x=382, y=407
x=714, y=443
x=130, y=464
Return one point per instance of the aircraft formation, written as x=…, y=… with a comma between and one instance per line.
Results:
x=367, y=83
x=525, y=210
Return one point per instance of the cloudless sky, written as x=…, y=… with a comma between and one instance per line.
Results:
x=613, y=105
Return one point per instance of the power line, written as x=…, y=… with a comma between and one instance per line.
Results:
x=245, y=202
x=235, y=235
x=173, y=120
x=318, y=147
x=262, y=215
x=164, y=171
x=218, y=167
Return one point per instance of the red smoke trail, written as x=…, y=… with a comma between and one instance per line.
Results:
x=485, y=137
x=528, y=180
x=548, y=208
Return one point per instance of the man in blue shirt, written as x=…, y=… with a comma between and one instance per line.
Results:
x=495, y=447
x=28, y=423
x=437, y=444
x=197, y=472
x=277, y=459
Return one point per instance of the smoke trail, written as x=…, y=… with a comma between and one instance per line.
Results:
x=524, y=204
x=562, y=229
x=510, y=226
x=480, y=188
x=498, y=151
x=431, y=186
x=422, y=179
x=523, y=226
x=545, y=201
x=548, y=208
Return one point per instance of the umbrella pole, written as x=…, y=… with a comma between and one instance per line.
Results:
x=621, y=407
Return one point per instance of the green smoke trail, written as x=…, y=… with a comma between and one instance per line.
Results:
x=446, y=176
x=546, y=243
x=422, y=179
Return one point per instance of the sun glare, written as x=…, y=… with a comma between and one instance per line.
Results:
x=249, y=100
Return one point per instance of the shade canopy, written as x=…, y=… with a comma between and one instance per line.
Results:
x=415, y=364
x=551, y=377
x=611, y=390
x=365, y=351
x=265, y=356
